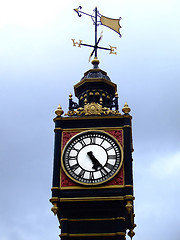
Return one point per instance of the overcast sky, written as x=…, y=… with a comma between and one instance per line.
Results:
x=38, y=68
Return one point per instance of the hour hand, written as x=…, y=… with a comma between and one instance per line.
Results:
x=96, y=163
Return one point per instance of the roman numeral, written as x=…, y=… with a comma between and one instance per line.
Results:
x=72, y=157
x=77, y=150
x=92, y=140
x=109, y=166
x=74, y=167
x=91, y=176
x=109, y=148
x=82, y=172
x=103, y=172
x=111, y=156
x=82, y=142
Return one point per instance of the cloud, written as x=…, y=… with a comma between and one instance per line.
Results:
x=38, y=69
x=157, y=184
x=34, y=13
x=166, y=167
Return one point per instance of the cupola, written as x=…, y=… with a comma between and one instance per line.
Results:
x=96, y=93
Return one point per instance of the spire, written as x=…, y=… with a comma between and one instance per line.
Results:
x=96, y=93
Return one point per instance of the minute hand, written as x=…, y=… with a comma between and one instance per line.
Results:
x=96, y=163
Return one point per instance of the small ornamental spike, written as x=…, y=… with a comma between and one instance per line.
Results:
x=131, y=233
x=70, y=96
x=129, y=206
x=85, y=101
x=116, y=94
x=126, y=109
x=59, y=111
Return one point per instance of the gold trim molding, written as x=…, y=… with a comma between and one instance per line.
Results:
x=99, y=187
x=94, y=128
x=91, y=234
x=89, y=199
x=91, y=117
x=92, y=80
x=92, y=219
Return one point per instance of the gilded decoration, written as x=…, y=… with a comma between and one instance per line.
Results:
x=126, y=109
x=55, y=208
x=92, y=109
x=131, y=233
x=129, y=206
x=59, y=111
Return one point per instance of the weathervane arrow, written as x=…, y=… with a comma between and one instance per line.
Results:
x=108, y=22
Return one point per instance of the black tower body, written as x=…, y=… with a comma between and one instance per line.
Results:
x=101, y=210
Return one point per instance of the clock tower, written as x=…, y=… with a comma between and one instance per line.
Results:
x=92, y=192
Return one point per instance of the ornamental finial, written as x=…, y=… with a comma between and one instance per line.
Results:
x=55, y=209
x=126, y=109
x=131, y=233
x=70, y=96
x=95, y=61
x=59, y=111
x=129, y=206
x=85, y=101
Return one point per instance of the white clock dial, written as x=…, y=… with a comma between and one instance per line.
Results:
x=92, y=157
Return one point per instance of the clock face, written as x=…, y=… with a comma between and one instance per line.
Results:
x=92, y=157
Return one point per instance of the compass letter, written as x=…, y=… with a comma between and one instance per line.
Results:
x=76, y=43
x=112, y=50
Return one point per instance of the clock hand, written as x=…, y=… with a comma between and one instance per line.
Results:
x=96, y=163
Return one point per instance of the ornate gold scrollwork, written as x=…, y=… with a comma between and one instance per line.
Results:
x=92, y=109
x=70, y=113
x=79, y=111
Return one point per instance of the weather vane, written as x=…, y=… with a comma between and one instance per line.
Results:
x=108, y=22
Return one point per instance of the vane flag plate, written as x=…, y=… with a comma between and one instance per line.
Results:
x=111, y=23
x=108, y=22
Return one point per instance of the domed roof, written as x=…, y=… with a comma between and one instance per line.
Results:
x=96, y=72
x=95, y=79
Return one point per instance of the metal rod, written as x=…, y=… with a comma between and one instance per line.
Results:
x=95, y=32
x=83, y=44
x=104, y=48
x=86, y=14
